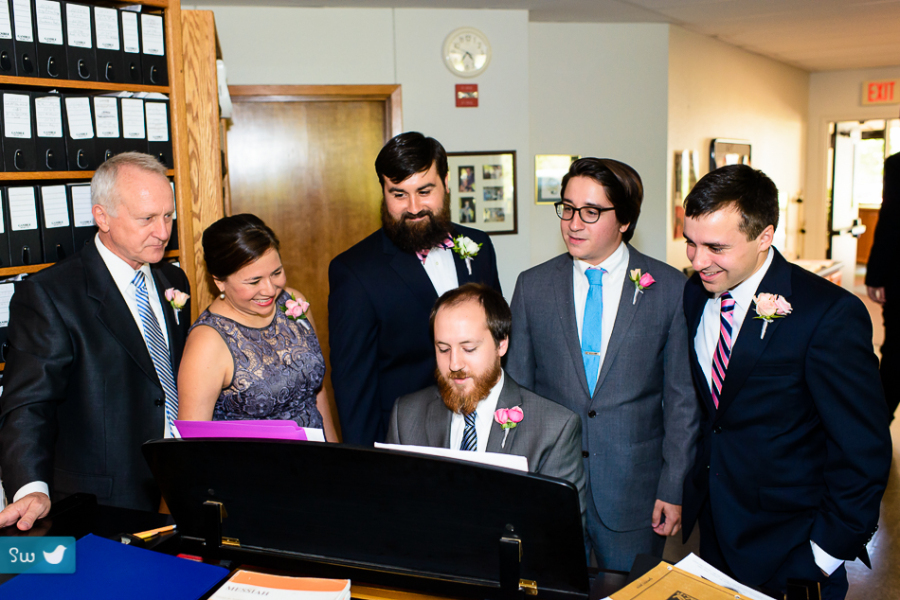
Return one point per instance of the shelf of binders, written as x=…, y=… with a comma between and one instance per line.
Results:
x=73, y=84
x=52, y=176
x=11, y=271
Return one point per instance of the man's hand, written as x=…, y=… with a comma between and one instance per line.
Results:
x=666, y=518
x=876, y=294
x=25, y=511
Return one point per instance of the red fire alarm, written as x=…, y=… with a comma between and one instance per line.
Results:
x=466, y=94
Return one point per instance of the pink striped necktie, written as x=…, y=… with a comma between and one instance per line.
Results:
x=446, y=244
x=723, y=348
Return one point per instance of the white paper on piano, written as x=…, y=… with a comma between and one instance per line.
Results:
x=508, y=461
x=695, y=565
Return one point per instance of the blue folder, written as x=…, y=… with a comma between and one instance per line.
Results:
x=112, y=570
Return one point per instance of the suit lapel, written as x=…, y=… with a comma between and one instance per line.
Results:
x=437, y=423
x=695, y=299
x=113, y=313
x=749, y=347
x=410, y=270
x=565, y=303
x=174, y=332
x=509, y=397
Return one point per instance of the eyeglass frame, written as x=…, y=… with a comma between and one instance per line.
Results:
x=562, y=205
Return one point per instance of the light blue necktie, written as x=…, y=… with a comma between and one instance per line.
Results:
x=592, y=327
x=156, y=344
x=470, y=436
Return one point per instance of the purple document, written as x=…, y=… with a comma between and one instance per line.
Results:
x=268, y=429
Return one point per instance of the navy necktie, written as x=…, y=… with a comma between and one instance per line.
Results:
x=470, y=436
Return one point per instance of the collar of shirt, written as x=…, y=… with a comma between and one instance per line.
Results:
x=441, y=270
x=121, y=271
x=484, y=419
x=616, y=266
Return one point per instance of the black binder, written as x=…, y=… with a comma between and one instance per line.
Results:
x=4, y=232
x=7, y=42
x=23, y=31
x=56, y=223
x=153, y=50
x=51, y=49
x=134, y=130
x=78, y=126
x=7, y=289
x=83, y=226
x=159, y=139
x=49, y=136
x=80, y=58
x=18, y=132
x=108, y=42
x=107, y=124
x=131, y=46
x=20, y=202
x=173, y=239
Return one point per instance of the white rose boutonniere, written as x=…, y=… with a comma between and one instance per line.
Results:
x=467, y=249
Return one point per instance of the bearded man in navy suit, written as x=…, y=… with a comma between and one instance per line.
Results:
x=794, y=447
x=383, y=288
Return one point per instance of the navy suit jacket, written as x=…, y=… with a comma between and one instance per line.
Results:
x=799, y=448
x=81, y=393
x=379, y=303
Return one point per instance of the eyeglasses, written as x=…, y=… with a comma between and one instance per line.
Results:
x=587, y=214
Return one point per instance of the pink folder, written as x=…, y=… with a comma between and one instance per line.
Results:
x=270, y=430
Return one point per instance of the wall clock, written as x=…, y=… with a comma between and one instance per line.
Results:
x=467, y=52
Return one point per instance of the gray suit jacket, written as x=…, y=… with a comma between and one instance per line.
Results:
x=641, y=420
x=549, y=436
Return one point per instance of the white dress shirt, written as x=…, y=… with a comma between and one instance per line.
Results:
x=616, y=266
x=484, y=419
x=441, y=270
x=707, y=338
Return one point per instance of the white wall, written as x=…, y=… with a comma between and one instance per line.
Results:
x=720, y=91
x=834, y=96
x=600, y=90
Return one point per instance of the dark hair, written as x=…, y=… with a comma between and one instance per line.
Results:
x=410, y=153
x=742, y=187
x=496, y=310
x=621, y=183
x=233, y=242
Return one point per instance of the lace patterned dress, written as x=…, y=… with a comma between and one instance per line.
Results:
x=277, y=369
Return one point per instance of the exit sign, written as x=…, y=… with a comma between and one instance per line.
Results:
x=885, y=91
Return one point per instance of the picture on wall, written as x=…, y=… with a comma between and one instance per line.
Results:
x=484, y=196
x=549, y=170
x=687, y=172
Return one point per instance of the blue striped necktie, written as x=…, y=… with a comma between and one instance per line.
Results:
x=592, y=327
x=156, y=344
x=470, y=436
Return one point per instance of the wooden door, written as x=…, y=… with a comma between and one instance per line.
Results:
x=302, y=159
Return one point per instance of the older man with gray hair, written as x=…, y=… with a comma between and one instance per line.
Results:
x=94, y=353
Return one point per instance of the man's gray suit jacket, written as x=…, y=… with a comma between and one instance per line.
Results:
x=549, y=436
x=641, y=419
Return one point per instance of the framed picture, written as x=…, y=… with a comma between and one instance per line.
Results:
x=549, y=170
x=483, y=190
x=687, y=172
x=724, y=152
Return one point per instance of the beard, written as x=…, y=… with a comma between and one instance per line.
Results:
x=412, y=237
x=464, y=403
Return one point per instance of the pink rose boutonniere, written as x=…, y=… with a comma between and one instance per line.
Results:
x=177, y=299
x=770, y=307
x=641, y=282
x=295, y=310
x=508, y=418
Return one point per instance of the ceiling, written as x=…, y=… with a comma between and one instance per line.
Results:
x=814, y=35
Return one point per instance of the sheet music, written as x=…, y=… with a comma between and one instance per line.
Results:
x=107, y=116
x=78, y=114
x=130, y=40
x=22, y=209
x=49, y=22
x=22, y=17
x=6, y=293
x=56, y=210
x=81, y=205
x=106, y=22
x=152, y=35
x=16, y=116
x=133, y=119
x=695, y=565
x=78, y=25
x=157, y=122
x=48, y=117
x=5, y=25
x=509, y=461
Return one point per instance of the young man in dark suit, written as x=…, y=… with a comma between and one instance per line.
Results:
x=94, y=352
x=382, y=289
x=794, y=448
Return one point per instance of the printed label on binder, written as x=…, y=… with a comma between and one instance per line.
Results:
x=107, y=115
x=81, y=205
x=157, y=122
x=48, y=117
x=78, y=114
x=133, y=118
x=130, y=39
x=49, y=22
x=152, y=34
x=22, y=209
x=22, y=19
x=56, y=210
x=16, y=116
x=5, y=25
x=106, y=21
x=78, y=25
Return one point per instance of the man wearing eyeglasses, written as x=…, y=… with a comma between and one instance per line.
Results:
x=592, y=332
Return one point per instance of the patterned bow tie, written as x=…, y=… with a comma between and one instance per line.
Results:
x=446, y=244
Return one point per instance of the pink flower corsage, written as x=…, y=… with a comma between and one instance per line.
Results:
x=177, y=299
x=296, y=310
x=641, y=282
x=770, y=307
x=508, y=418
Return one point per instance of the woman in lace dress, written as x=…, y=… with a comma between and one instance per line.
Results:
x=253, y=354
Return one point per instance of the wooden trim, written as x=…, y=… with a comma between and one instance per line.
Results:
x=395, y=118
x=155, y=3
x=52, y=175
x=383, y=92
x=73, y=84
